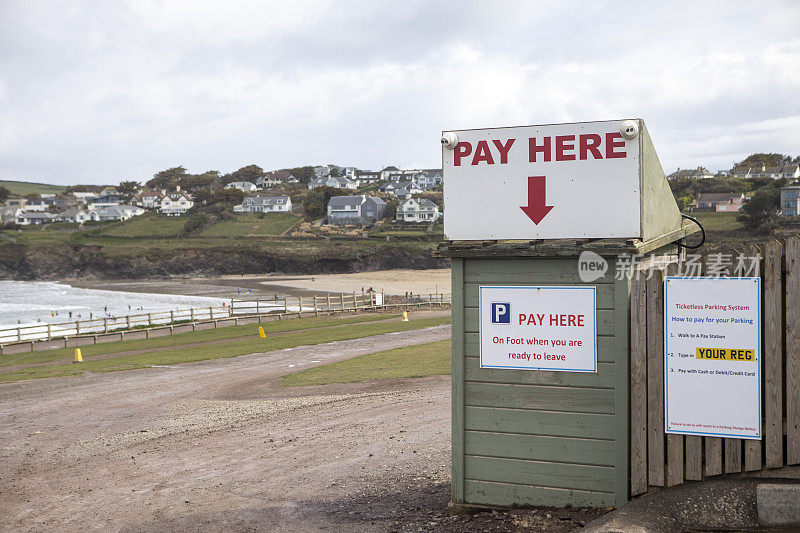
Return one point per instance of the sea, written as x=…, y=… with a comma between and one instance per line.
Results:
x=26, y=303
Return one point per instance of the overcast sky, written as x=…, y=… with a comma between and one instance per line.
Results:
x=100, y=91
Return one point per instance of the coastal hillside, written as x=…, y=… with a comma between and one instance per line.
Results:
x=152, y=246
x=21, y=188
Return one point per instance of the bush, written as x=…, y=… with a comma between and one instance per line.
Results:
x=196, y=223
x=759, y=213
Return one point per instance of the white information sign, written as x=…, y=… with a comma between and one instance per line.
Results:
x=542, y=182
x=538, y=328
x=712, y=370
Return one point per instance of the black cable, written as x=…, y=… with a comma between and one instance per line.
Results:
x=702, y=230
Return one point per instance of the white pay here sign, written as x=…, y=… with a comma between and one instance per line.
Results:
x=542, y=182
x=538, y=328
x=712, y=370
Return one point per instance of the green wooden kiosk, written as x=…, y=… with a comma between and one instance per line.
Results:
x=539, y=437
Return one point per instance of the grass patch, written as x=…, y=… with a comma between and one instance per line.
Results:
x=147, y=225
x=21, y=188
x=250, y=225
x=718, y=221
x=431, y=359
x=245, y=346
x=193, y=337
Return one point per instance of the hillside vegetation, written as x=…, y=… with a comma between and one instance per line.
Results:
x=21, y=188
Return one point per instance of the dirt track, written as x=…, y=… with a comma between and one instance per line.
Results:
x=220, y=445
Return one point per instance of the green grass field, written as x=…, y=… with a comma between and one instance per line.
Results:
x=431, y=359
x=147, y=225
x=718, y=221
x=21, y=188
x=114, y=356
x=250, y=225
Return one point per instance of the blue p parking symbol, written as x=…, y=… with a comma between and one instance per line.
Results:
x=501, y=313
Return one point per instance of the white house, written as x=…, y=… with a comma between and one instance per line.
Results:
x=335, y=182
x=245, y=186
x=26, y=218
x=148, y=199
x=115, y=212
x=368, y=177
x=417, y=210
x=36, y=204
x=265, y=204
x=389, y=172
x=176, y=204
x=9, y=214
x=268, y=181
x=73, y=215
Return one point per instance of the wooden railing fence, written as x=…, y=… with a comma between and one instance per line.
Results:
x=657, y=459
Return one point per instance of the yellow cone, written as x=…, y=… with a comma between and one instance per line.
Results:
x=78, y=356
x=405, y=316
x=261, y=334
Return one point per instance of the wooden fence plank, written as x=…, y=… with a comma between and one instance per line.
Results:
x=713, y=449
x=674, y=442
x=638, y=384
x=655, y=379
x=694, y=458
x=733, y=455
x=792, y=350
x=772, y=357
x=752, y=448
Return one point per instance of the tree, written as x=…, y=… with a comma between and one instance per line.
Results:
x=32, y=196
x=770, y=160
x=128, y=188
x=391, y=208
x=4, y=194
x=303, y=174
x=249, y=173
x=759, y=213
x=166, y=179
x=222, y=196
x=315, y=203
x=195, y=182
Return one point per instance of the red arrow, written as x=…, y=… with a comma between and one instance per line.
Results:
x=536, y=208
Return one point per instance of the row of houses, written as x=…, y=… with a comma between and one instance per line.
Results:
x=733, y=202
x=740, y=171
x=80, y=207
x=364, y=210
x=75, y=215
x=391, y=177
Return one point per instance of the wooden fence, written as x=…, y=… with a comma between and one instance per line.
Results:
x=657, y=459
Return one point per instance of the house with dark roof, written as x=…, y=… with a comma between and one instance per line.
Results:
x=27, y=218
x=406, y=189
x=388, y=172
x=417, y=210
x=698, y=173
x=355, y=210
x=367, y=177
x=720, y=202
x=265, y=204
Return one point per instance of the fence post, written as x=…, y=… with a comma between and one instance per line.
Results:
x=210, y=313
x=149, y=320
x=191, y=314
x=638, y=392
x=171, y=317
x=105, y=325
x=127, y=322
x=77, y=327
x=792, y=349
x=49, y=335
x=655, y=379
x=300, y=306
x=341, y=301
x=328, y=297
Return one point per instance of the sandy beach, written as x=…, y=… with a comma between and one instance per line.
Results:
x=396, y=282
x=390, y=282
